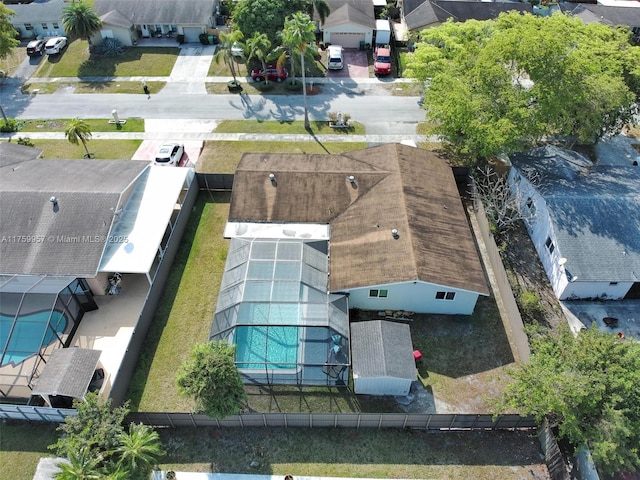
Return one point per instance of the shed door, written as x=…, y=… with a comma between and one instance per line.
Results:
x=347, y=40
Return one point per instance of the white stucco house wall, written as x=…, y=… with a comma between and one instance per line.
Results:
x=583, y=219
x=38, y=19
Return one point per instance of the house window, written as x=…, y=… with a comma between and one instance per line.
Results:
x=374, y=293
x=45, y=26
x=445, y=295
x=613, y=283
x=28, y=26
x=55, y=25
x=550, y=246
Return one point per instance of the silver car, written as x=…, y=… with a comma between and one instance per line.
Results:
x=169, y=154
x=55, y=45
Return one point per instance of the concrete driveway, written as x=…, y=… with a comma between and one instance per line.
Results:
x=588, y=312
x=356, y=65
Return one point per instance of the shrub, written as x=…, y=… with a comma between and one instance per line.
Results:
x=26, y=141
x=530, y=305
x=110, y=47
x=11, y=125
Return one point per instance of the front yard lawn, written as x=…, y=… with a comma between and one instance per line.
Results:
x=136, y=61
x=223, y=157
x=285, y=128
x=95, y=125
x=103, y=149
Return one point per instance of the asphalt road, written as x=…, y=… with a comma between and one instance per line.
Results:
x=363, y=107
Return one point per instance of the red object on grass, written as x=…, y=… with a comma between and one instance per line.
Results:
x=417, y=354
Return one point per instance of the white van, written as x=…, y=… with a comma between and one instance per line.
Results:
x=334, y=56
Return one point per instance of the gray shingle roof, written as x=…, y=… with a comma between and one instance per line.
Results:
x=13, y=153
x=183, y=12
x=595, y=210
x=380, y=348
x=50, y=11
x=628, y=16
x=67, y=239
x=68, y=372
x=349, y=13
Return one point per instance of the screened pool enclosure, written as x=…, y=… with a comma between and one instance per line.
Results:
x=274, y=306
x=38, y=313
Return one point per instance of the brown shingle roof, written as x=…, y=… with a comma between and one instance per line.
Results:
x=409, y=189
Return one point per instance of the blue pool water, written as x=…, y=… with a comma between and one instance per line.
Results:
x=31, y=331
x=277, y=346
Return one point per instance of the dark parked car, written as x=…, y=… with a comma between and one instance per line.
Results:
x=272, y=73
x=35, y=48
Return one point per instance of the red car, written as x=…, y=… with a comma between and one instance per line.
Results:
x=272, y=73
x=382, y=61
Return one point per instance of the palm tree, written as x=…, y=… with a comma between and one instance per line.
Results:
x=80, y=20
x=139, y=449
x=259, y=46
x=82, y=466
x=78, y=131
x=299, y=31
x=224, y=52
x=320, y=7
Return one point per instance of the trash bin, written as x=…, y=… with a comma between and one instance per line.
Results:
x=361, y=44
x=210, y=38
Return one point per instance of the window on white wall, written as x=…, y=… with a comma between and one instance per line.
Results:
x=375, y=293
x=445, y=295
x=55, y=25
x=28, y=26
x=45, y=26
x=549, y=244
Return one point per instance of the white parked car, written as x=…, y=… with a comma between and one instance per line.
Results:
x=169, y=154
x=55, y=45
x=237, y=50
x=334, y=55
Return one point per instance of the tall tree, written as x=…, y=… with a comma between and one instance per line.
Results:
x=266, y=16
x=259, y=47
x=299, y=31
x=503, y=85
x=589, y=386
x=211, y=377
x=139, y=448
x=318, y=7
x=8, y=40
x=224, y=54
x=77, y=131
x=80, y=20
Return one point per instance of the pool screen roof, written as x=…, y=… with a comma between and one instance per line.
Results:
x=278, y=282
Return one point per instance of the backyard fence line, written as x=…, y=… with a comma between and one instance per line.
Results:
x=339, y=420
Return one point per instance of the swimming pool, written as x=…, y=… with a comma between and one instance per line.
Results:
x=30, y=333
x=263, y=347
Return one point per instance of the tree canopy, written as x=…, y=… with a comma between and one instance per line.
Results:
x=502, y=85
x=79, y=19
x=8, y=40
x=589, y=385
x=265, y=16
x=211, y=377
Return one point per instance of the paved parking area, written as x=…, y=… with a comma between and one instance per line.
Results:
x=588, y=312
x=356, y=65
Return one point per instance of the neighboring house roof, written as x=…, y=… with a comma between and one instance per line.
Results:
x=87, y=192
x=422, y=13
x=12, y=153
x=68, y=372
x=196, y=12
x=116, y=19
x=36, y=12
x=359, y=12
x=594, y=210
x=628, y=16
x=395, y=187
x=380, y=348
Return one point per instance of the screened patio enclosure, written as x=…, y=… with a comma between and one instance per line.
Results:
x=38, y=313
x=274, y=306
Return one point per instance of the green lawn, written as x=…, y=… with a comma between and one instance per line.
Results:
x=103, y=149
x=284, y=128
x=139, y=61
x=21, y=446
x=223, y=157
x=95, y=125
x=118, y=87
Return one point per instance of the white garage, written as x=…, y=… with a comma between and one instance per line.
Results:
x=347, y=39
x=192, y=34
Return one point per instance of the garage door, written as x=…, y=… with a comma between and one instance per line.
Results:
x=347, y=40
x=191, y=34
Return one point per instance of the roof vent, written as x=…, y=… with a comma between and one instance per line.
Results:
x=272, y=178
x=394, y=233
x=352, y=179
x=54, y=200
